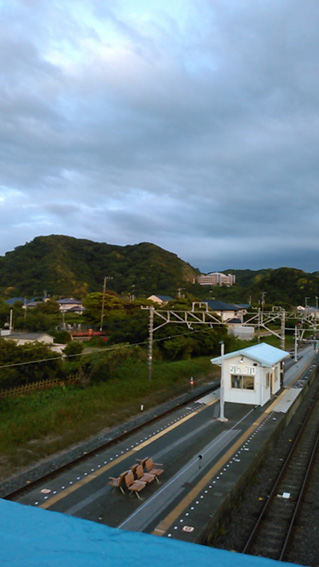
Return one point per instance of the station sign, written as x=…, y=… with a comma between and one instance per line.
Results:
x=242, y=369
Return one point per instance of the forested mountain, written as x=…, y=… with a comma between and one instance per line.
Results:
x=67, y=266
x=281, y=286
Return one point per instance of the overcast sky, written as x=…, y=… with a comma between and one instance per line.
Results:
x=191, y=124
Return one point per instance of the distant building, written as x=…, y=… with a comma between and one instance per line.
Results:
x=14, y=300
x=25, y=338
x=216, y=279
x=22, y=338
x=70, y=305
x=160, y=299
x=227, y=311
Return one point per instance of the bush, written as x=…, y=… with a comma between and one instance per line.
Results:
x=61, y=337
x=73, y=348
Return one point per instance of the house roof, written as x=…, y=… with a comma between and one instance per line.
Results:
x=263, y=353
x=69, y=301
x=217, y=305
x=27, y=336
x=13, y=300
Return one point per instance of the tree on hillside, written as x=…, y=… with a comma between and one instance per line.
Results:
x=99, y=307
x=42, y=317
x=27, y=363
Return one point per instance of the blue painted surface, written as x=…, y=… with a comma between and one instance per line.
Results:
x=32, y=536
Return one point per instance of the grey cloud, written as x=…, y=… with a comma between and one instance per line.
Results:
x=209, y=120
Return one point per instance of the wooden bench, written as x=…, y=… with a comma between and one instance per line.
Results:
x=140, y=474
x=134, y=485
x=117, y=482
x=150, y=467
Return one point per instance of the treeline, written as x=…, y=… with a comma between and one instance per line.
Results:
x=62, y=266
x=97, y=361
x=285, y=287
x=71, y=267
x=125, y=327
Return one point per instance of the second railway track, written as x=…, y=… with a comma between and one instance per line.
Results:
x=271, y=535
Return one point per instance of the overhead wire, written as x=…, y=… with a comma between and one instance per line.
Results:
x=103, y=350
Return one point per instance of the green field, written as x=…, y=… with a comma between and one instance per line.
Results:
x=38, y=425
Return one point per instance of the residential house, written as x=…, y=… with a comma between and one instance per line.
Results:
x=160, y=299
x=23, y=338
x=70, y=305
x=227, y=311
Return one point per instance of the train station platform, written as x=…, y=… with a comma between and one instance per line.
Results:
x=206, y=463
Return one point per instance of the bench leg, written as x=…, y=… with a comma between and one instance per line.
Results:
x=137, y=494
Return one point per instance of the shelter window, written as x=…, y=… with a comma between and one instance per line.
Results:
x=242, y=382
x=267, y=380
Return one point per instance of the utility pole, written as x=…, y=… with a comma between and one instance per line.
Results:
x=150, y=343
x=103, y=303
x=263, y=293
x=222, y=388
x=179, y=292
x=283, y=325
x=296, y=343
x=258, y=325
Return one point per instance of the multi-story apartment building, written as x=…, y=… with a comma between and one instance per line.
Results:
x=216, y=279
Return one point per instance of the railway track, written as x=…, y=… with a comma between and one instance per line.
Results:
x=275, y=526
x=41, y=473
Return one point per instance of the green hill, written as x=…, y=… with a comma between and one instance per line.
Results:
x=280, y=286
x=66, y=266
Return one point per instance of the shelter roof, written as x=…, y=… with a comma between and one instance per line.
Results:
x=263, y=353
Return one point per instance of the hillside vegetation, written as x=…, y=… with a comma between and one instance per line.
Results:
x=66, y=266
x=287, y=287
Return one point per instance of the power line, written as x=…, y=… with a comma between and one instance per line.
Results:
x=103, y=350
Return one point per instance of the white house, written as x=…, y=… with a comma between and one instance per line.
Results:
x=21, y=338
x=70, y=305
x=227, y=311
x=160, y=299
x=252, y=375
x=24, y=338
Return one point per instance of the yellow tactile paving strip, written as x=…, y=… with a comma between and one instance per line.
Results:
x=118, y=460
x=165, y=524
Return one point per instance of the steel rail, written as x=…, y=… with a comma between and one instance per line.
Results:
x=300, y=499
x=284, y=467
x=12, y=494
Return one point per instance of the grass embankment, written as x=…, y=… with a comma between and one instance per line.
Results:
x=38, y=425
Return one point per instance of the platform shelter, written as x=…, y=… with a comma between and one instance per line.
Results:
x=252, y=375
